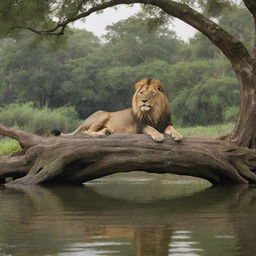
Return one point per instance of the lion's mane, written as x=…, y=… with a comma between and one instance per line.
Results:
x=159, y=116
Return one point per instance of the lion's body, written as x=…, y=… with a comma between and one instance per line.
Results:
x=150, y=114
x=116, y=122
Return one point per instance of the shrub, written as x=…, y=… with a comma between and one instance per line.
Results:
x=39, y=121
x=230, y=114
x=8, y=146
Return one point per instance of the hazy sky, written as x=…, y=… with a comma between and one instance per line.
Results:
x=97, y=22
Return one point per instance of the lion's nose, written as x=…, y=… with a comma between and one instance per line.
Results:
x=144, y=101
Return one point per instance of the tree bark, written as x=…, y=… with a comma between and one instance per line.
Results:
x=80, y=158
x=244, y=133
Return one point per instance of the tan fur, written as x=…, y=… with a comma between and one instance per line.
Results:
x=153, y=92
x=150, y=110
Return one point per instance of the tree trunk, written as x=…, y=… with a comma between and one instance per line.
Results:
x=244, y=133
x=80, y=158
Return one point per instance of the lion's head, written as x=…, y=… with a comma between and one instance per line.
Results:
x=150, y=104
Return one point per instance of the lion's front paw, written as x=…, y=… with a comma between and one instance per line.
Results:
x=158, y=137
x=173, y=133
x=177, y=137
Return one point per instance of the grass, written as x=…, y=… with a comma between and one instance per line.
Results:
x=207, y=131
x=39, y=121
x=9, y=146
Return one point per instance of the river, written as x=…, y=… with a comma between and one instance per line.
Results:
x=129, y=217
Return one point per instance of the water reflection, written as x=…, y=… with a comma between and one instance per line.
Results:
x=97, y=220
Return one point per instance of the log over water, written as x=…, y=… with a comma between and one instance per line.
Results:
x=77, y=159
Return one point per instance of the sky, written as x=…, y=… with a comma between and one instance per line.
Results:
x=97, y=23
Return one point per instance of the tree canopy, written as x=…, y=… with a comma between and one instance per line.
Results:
x=92, y=75
x=52, y=16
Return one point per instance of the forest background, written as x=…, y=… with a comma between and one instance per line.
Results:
x=55, y=83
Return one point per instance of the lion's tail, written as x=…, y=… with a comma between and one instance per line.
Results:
x=57, y=132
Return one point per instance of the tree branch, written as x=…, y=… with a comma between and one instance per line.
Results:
x=25, y=139
x=64, y=24
x=233, y=48
x=251, y=6
x=15, y=167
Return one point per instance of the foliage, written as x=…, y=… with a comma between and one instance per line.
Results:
x=90, y=74
x=237, y=21
x=40, y=121
x=207, y=131
x=8, y=146
x=213, y=96
x=22, y=68
x=230, y=114
x=133, y=42
x=40, y=15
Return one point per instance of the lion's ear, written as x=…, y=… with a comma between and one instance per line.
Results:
x=159, y=87
x=139, y=85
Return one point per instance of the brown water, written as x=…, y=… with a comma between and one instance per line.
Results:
x=129, y=217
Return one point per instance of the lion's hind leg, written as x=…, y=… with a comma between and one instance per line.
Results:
x=173, y=133
x=104, y=131
x=57, y=132
x=94, y=125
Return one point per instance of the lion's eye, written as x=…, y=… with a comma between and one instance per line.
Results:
x=141, y=93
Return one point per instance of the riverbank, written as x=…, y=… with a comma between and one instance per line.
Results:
x=9, y=146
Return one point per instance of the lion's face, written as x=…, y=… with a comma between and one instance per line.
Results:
x=150, y=99
x=148, y=96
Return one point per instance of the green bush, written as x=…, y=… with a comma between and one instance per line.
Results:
x=39, y=121
x=8, y=146
x=207, y=103
x=230, y=114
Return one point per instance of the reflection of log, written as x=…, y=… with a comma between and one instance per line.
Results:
x=80, y=214
x=159, y=237
x=101, y=209
x=79, y=159
x=243, y=218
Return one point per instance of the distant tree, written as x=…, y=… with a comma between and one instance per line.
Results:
x=37, y=74
x=72, y=79
x=85, y=72
x=233, y=18
x=133, y=42
x=192, y=106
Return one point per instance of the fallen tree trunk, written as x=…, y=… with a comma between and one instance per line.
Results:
x=80, y=158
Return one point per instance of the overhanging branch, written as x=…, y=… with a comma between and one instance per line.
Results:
x=25, y=139
x=233, y=48
x=251, y=6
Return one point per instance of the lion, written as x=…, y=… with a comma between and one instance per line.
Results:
x=149, y=114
